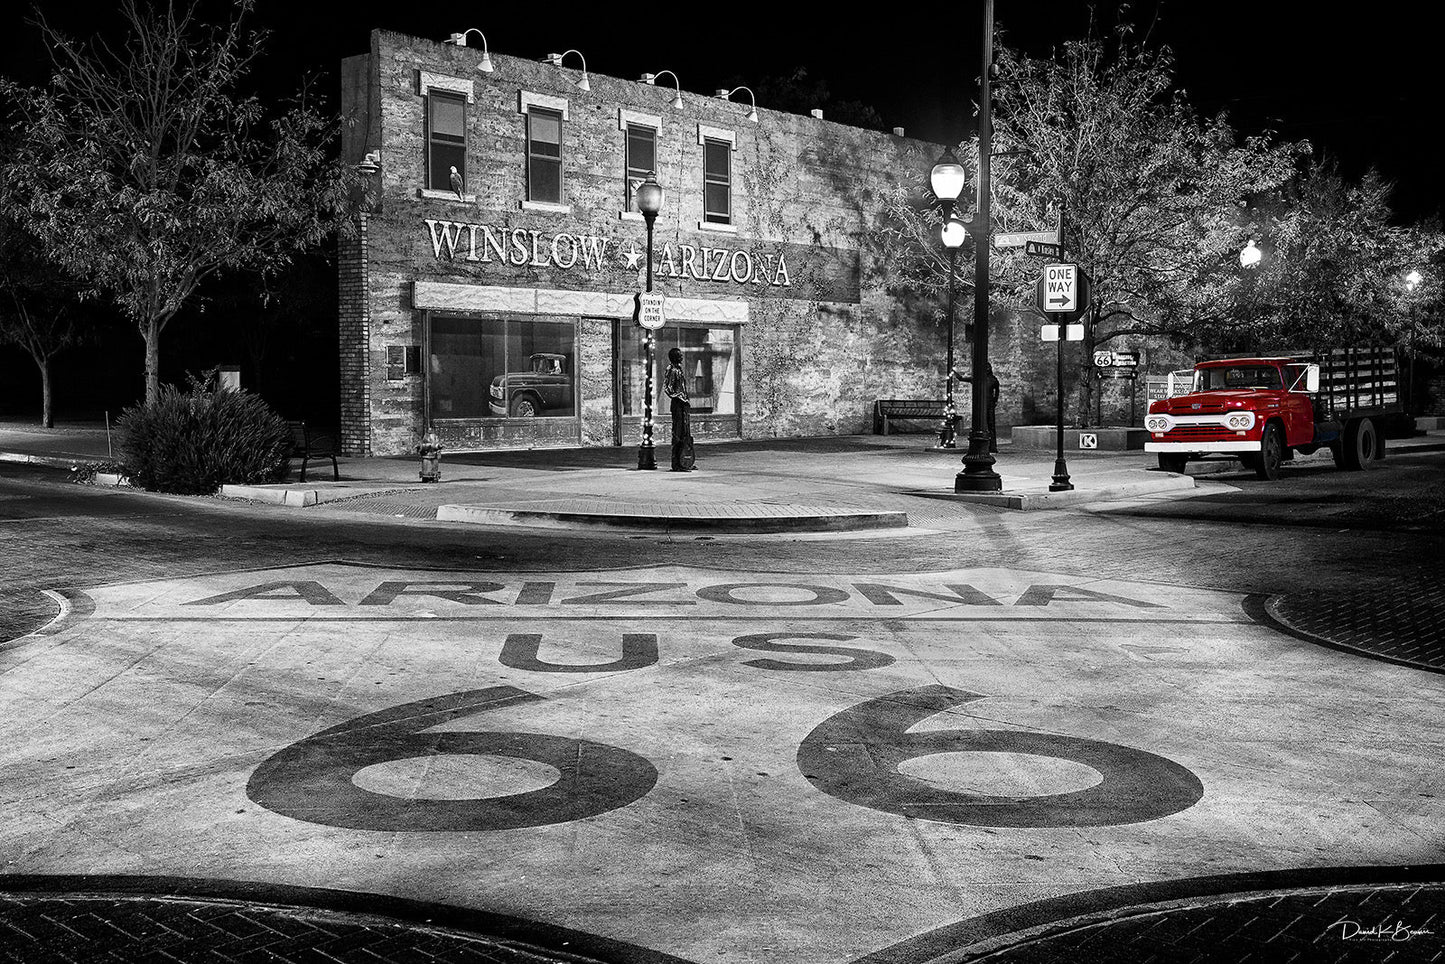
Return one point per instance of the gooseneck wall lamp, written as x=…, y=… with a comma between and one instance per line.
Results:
x=651, y=79
x=460, y=40
x=649, y=202
x=556, y=60
x=753, y=109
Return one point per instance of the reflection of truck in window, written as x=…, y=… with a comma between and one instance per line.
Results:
x=1263, y=410
x=546, y=386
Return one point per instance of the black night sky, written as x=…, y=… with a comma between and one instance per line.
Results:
x=1359, y=81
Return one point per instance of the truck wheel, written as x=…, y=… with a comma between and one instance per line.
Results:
x=524, y=406
x=1362, y=444
x=1173, y=463
x=1271, y=452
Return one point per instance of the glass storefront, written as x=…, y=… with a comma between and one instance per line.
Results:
x=501, y=368
x=709, y=360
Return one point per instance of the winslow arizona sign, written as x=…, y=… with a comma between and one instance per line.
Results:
x=521, y=247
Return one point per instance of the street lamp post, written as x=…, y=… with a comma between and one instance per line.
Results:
x=978, y=474
x=953, y=234
x=946, y=180
x=1412, y=281
x=649, y=202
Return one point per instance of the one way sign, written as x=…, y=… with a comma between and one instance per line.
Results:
x=1061, y=287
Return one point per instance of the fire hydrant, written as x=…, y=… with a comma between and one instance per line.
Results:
x=430, y=450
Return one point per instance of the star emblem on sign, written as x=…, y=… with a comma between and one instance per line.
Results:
x=633, y=256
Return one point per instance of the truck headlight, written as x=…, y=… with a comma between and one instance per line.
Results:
x=1158, y=423
x=1241, y=421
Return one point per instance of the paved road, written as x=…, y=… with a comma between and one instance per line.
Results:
x=989, y=738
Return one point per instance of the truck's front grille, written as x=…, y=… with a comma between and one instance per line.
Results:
x=1200, y=433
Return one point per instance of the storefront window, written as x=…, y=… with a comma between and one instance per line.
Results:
x=709, y=361
x=487, y=368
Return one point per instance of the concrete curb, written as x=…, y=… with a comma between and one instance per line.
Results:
x=54, y=461
x=294, y=495
x=654, y=522
x=1058, y=500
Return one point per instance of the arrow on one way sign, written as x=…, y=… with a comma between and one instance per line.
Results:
x=1061, y=287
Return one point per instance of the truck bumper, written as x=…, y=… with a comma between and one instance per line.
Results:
x=1191, y=447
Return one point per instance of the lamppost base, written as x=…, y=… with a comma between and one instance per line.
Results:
x=646, y=457
x=978, y=474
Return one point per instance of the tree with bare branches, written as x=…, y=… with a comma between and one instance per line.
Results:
x=145, y=170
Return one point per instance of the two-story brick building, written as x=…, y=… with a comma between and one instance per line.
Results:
x=489, y=293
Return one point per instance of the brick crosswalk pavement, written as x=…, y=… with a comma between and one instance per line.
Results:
x=1360, y=925
x=43, y=928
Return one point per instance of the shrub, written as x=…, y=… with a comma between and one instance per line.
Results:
x=191, y=442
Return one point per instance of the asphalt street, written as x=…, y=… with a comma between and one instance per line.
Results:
x=1178, y=728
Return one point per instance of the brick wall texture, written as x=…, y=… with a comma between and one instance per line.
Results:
x=815, y=352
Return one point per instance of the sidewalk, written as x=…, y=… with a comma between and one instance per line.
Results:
x=845, y=483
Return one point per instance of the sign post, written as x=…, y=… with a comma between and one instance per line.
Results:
x=1063, y=293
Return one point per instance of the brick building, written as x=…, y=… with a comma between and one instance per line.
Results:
x=496, y=306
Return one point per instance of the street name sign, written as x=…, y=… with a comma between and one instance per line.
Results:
x=650, y=309
x=1018, y=239
x=1043, y=249
x=1071, y=333
x=1061, y=287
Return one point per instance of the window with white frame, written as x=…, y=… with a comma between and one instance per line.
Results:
x=717, y=181
x=544, y=155
x=641, y=159
x=446, y=139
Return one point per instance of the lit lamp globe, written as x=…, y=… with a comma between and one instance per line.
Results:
x=649, y=197
x=947, y=179
x=1250, y=256
x=954, y=232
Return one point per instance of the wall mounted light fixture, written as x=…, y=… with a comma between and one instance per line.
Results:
x=556, y=60
x=460, y=40
x=753, y=112
x=651, y=79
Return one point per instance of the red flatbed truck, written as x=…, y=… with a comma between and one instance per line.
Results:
x=1262, y=410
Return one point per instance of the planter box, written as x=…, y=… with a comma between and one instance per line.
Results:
x=1104, y=439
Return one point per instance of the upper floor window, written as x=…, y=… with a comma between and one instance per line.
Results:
x=446, y=140
x=544, y=155
x=641, y=159
x=717, y=182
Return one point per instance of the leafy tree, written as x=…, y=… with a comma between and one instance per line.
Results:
x=38, y=312
x=1148, y=192
x=1334, y=268
x=145, y=170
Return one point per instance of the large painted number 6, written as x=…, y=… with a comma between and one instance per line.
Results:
x=854, y=756
x=312, y=780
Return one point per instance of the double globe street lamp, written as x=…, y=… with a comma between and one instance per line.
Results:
x=947, y=181
x=649, y=202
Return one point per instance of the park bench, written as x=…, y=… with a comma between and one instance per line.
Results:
x=308, y=443
x=887, y=408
